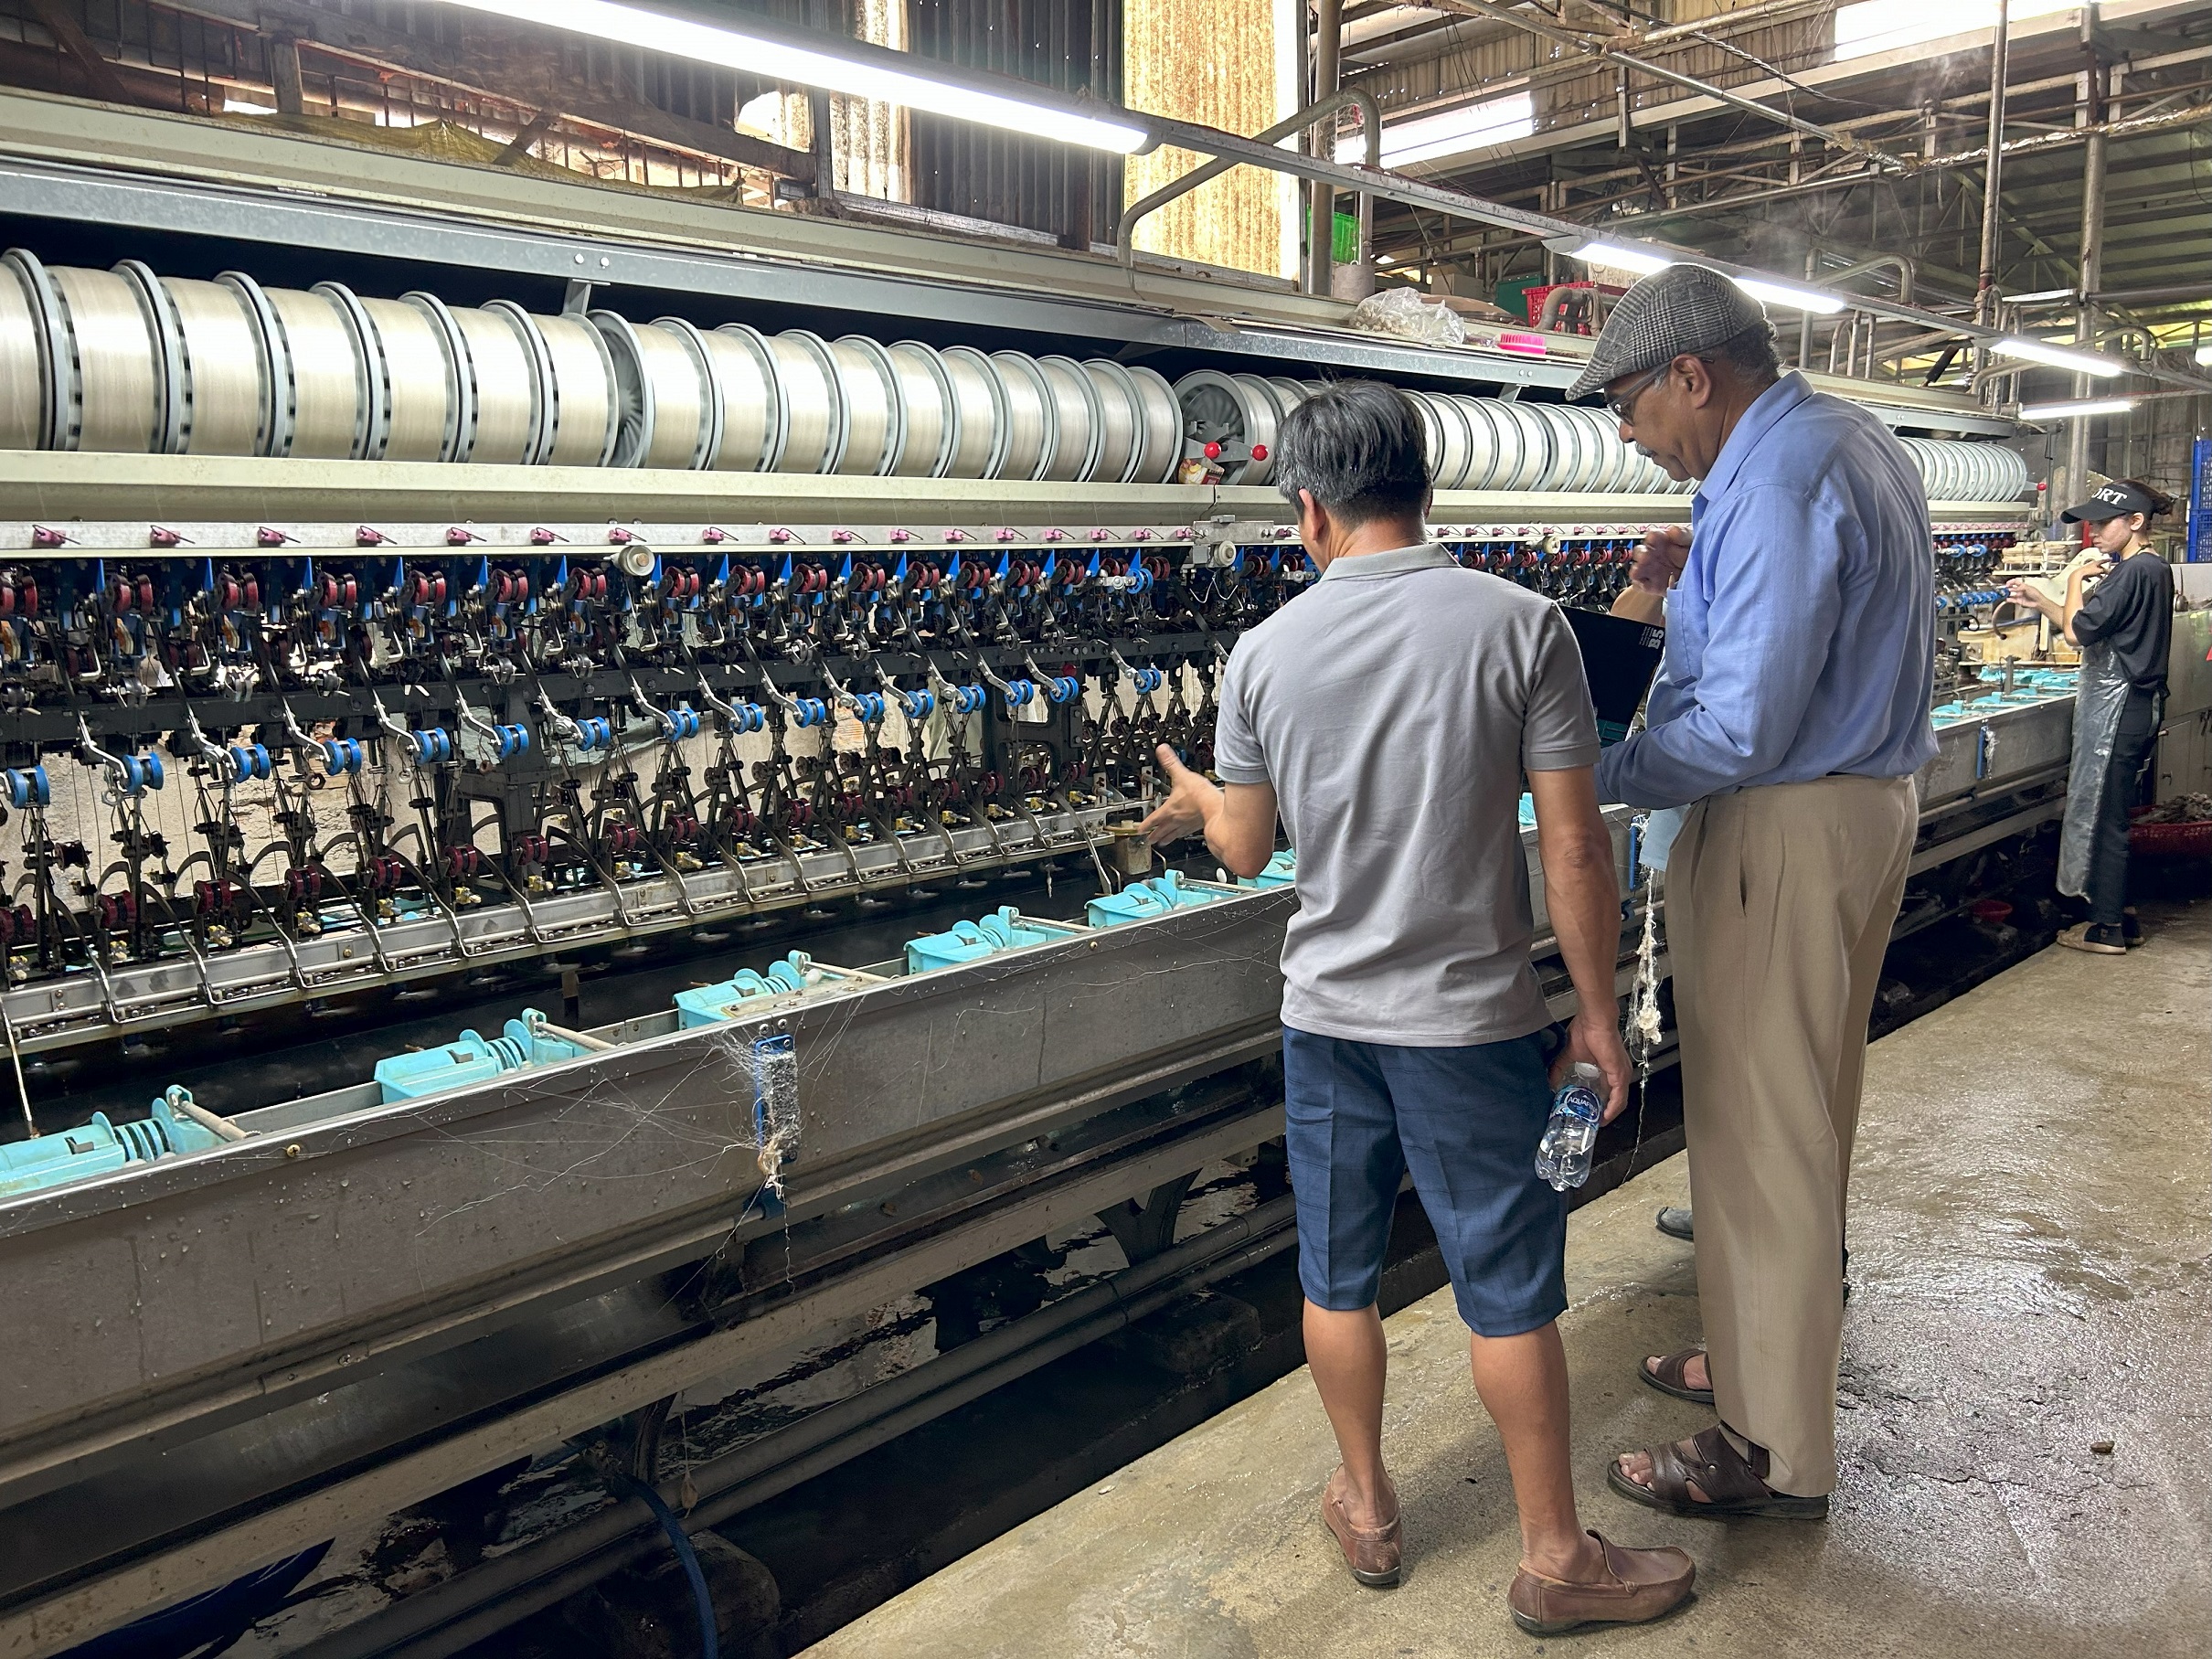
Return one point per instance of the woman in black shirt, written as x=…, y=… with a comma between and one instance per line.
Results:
x=2124, y=627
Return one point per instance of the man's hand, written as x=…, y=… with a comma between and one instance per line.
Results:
x=1594, y=1039
x=1191, y=802
x=1665, y=549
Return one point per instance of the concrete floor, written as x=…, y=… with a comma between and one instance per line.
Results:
x=2028, y=1252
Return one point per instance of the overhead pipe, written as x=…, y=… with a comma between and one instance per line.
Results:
x=1228, y=148
x=1599, y=49
x=1906, y=271
x=1323, y=110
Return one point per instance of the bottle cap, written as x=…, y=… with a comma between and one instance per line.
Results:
x=1587, y=1074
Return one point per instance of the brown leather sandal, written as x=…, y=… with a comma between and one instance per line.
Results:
x=1669, y=1377
x=1732, y=1486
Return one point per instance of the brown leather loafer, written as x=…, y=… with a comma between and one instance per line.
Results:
x=1639, y=1585
x=1374, y=1554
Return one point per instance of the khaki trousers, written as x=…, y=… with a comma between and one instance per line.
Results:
x=1778, y=906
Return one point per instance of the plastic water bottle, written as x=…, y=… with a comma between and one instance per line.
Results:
x=1577, y=1110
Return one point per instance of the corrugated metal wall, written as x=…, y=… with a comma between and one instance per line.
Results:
x=957, y=167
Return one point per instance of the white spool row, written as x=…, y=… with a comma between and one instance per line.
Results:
x=125, y=360
x=128, y=361
x=1952, y=471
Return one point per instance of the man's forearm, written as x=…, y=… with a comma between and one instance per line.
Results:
x=1583, y=898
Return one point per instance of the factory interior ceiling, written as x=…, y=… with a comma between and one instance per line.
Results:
x=1874, y=146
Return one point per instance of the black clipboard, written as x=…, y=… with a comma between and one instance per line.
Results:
x=1620, y=659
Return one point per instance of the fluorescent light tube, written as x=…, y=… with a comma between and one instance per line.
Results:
x=2057, y=357
x=1622, y=259
x=2074, y=410
x=1787, y=295
x=2204, y=354
x=861, y=75
x=1455, y=132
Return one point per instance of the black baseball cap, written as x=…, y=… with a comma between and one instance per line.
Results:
x=2110, y=502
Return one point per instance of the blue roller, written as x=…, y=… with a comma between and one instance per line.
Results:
x=810, y=711
x=28, y=786
x=1005, y=929
x=710, y=1004
x=471, y=1059
x=431, y=746
x=1142, y=900
x=1018, y=693
x=917, y=704
x=868, y=707
x=101, y=1147
x=595, y=733
x=1063, y=688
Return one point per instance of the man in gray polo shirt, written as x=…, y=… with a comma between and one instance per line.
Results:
x=1387, y=715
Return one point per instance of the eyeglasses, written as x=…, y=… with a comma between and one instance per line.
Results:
x=1624, y=404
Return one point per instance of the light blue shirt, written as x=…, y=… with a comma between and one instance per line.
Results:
x=1800, y=639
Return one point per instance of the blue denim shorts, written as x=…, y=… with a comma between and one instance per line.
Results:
x=1466, y=1122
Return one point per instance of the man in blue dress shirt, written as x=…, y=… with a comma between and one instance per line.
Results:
x=1788, y=720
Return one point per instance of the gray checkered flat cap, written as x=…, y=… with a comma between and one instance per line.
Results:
x=1682, y=309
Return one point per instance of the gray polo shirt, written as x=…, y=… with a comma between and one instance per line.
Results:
x=1394, y=706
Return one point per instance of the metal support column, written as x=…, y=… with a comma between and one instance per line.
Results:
x=2092, y=115
x=1992, y=180
x=1321, y=204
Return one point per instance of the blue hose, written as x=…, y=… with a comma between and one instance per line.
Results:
x=710, y=1644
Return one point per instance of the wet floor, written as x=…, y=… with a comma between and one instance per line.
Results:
x=2025, y=1409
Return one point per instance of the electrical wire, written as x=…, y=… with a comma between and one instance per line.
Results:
x=710, y=1644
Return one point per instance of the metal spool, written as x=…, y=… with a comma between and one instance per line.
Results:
x=585, y=421
x=1578, y=461
x=1289, y=394
x=538, y=368
x=986, y=419
x=1033, y=431
x=423, y=383
x=1617, y=470
x=1433, y=438
x=1080, y=417
x=460, y=381
x=1481, y=442
x=875, y=415
x=376, y=370
x=104, y=360
x=322, y=381
x=2011, y=472
x=23, y=378
x=505, y=385
x=1121, y=425
x=929, y=409
x=1237, y=411
x=1459, y=442
x=813, y=402
x=1510, y=439
x=662, y=393
x=1539, y=458
x=752, y=400
x=220, y=367
x=1160, y=423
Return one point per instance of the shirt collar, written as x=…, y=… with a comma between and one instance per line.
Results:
x=1766, y=412
x=1396, y=562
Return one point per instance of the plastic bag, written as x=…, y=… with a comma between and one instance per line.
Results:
x=1403, y=312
